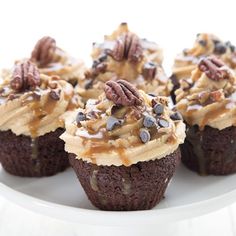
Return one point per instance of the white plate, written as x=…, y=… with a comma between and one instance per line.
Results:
x=62, y=197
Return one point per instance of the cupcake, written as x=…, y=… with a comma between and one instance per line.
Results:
x=32, y=106
x=52, y=60
x=123, y=55
x=205, y=45
x=207, y=102
x=124, y=147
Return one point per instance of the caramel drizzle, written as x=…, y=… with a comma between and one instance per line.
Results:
x=40, y=111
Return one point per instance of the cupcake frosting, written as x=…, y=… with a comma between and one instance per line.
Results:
x=123, y=126
x=123, y=55
x=205, y=45
x=209, y=96
x=34, y=104
x=52, y=60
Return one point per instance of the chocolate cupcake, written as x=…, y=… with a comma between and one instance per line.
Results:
x=124, y=147
x=123, y=55
x=205, y=45
x=32, y=107
x=207, y=101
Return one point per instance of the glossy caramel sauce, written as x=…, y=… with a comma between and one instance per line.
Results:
x=39, y=111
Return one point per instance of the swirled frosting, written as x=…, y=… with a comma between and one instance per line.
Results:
x=146, y=73
x=204, y=101
x=109, y=134
x=204, y=45
x=58, y=62
x=38, y=111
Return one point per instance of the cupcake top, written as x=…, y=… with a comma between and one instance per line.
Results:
x=52, y=60
x=204, y=45
x=124, y=126
x=33, y=104
x=123, y=55
x=209, y=96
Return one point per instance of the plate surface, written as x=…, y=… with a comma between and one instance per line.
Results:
x=61, y=196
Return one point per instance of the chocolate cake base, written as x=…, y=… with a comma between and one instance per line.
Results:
x=211, y=151
x=22, y=156
x=119, y=188
x=176, y=86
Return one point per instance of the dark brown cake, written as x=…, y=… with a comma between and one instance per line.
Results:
x=137, y=187
x=45, y=156
x=210, y=151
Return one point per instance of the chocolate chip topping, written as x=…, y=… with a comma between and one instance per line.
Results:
x=122, y=93
x=25, y=76
x=176, y=116
x=149, y=121
x=80, y=117
x=149, y=70
x=127, y=46
x=220, y=48
x=212, y=67
x=43, y=51
x=144, y=135
x=112, y=122
x=163, y=123
x=158, y=109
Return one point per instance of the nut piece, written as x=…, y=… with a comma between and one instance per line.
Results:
x=25, y=76
x=213, y=68
x=43, y=51
x=127, y=46
x=122, y=93
x=149, y=70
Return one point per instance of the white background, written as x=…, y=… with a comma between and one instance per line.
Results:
x=75, y=25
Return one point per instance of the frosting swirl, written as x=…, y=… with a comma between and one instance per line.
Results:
x=107, y=132
x=123, y=55
x=52, y=60
x=209, y=96
x=204, y=45
x=36, y=111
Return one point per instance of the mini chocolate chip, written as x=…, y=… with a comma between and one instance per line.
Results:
x=80, y=117
x=231, y=46
x=102, y=57
x=219, y=48
x=112, y=122
x=215, y=41
x=55, y=95
x=149, y=121
x=202, y=42
x=144, y=135
x=158, y=109
x=163, y=123
x=176, y=116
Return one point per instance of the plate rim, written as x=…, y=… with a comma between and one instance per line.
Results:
x=116, y=218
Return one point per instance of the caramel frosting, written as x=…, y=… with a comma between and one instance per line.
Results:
x=208, y=97
x=123, y=55
x=204, y=45
x=52, y=60
x=123, y=126
x=34, y=104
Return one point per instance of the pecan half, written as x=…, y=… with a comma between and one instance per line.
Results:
x=213, y=67
x=25, y=76
x=122, y=93
x=127, y=46
x=43, y=51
